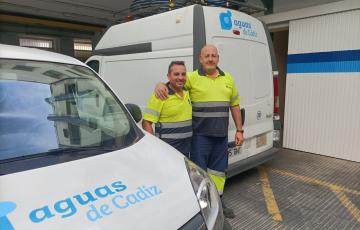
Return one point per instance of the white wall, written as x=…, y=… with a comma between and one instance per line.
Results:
x=322, y=108
x=286, y=5
x=280, y=20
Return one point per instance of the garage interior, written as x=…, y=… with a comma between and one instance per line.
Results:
x=314, y=183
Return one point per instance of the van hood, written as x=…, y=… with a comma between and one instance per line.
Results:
x=144, y=186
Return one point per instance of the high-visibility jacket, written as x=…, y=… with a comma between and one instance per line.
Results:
x=172, y=118
x=211, y=100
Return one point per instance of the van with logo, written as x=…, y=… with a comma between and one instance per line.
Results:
x=73, y=157
x=133, y=57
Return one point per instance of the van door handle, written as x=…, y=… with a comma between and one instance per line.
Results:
x=242, y=116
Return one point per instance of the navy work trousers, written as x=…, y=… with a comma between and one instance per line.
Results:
x=210, y=152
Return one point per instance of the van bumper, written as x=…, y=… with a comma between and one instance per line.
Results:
x=251, y=162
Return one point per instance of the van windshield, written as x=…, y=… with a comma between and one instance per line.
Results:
x=50, y=109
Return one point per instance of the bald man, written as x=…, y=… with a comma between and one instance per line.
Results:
x=213, y=93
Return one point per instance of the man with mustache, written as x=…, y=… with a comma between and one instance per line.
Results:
x=172, y=117
x=212, y=93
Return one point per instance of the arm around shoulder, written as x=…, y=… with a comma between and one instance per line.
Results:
x=161, y=91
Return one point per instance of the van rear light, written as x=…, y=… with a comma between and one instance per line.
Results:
x=276, y=116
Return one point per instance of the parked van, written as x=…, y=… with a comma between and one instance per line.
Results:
x=134, y=56
x=72, y=156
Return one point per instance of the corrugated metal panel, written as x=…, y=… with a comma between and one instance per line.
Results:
x=339, y=31
x=322, y=108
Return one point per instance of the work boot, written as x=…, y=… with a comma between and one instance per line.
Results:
x=228, y=212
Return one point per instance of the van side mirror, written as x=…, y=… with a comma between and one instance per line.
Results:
x=135, y=111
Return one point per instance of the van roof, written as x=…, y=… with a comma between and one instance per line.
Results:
x=176, y=29
x=150, y=29
x=23, y=53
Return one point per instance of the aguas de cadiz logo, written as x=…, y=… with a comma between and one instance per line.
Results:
x=6, y=207
x=95, y=204
x=238, y=26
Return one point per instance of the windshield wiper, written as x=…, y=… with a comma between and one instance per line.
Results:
x=85, y=150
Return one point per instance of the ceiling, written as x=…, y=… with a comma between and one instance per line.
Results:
x=94, y=12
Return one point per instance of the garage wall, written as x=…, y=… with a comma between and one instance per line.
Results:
x=322, y=107
x=286, y=5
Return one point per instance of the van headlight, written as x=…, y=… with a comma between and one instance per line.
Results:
x=207, y=195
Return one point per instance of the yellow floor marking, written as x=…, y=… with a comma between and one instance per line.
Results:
x=271, y=204
x=310, y=180
x=338, y=190
x=347, y=203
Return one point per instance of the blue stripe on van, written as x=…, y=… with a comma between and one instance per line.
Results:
x=324, y=62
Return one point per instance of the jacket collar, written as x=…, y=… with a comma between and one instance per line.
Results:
x=171, y=92
x=202, y=72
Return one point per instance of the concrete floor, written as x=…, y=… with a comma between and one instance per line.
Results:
x=296, y=190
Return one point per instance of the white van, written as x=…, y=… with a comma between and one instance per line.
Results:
x=134, y=56
x=72, y=157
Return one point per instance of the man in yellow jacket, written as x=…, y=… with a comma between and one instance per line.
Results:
x=172, y=117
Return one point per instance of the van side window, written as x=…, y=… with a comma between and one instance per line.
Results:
x=94, y=64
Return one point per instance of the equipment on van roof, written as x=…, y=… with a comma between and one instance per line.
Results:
x=144, y=8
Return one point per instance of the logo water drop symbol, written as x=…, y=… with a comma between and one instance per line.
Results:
x=225, y=20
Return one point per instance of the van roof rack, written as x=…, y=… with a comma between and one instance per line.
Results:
x=144, y=8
